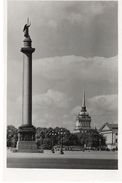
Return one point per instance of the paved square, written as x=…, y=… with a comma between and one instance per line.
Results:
x=68, y=160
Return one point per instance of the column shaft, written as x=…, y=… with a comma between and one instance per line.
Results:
x=27, y=90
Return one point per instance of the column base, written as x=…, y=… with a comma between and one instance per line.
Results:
x=27, y=146
x=26, y=133
x=26, y=139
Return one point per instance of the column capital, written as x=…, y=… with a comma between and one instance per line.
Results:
x=27, y=50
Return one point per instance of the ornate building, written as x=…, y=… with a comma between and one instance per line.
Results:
x=110, y=133
x=83, y=120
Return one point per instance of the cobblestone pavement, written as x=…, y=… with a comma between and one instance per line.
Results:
x=67, y=154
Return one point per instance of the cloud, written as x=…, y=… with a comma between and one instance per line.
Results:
x=75, y=12
x=78, y=12
x=104, y=104
x=56, y=12
x=58, y=83
x=52, y=24
x=92, y=69
x=51, y=99
x=75, y=17
x=100, y=104
x=50, y=108
x=64, y=28
x=84, y=14
x=102, y=108
x=75, y=110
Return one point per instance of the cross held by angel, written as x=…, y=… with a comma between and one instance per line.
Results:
x=26, y=28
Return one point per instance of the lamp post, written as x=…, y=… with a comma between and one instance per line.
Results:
x=99, y=144
x=52, y=134
x=61, y=133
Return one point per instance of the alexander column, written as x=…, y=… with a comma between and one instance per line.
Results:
x=26, y=132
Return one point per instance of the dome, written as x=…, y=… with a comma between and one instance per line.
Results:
x=83, y=113
x=77, y=125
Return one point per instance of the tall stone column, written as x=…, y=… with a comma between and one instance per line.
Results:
x=27, y=50
x=26, y=132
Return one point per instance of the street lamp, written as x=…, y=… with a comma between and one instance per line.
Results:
x=61, y=133
x=99, y=144
x=52, y=134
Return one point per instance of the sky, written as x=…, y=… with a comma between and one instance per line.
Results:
x=76, y=49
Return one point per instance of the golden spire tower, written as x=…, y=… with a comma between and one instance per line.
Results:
x=83, y=121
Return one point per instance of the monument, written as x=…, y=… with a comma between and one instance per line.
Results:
x=26, y=132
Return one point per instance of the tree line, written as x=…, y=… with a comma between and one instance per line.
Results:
x=46, y=138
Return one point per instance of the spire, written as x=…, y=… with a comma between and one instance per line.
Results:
x=83, y=109
x=84, y=102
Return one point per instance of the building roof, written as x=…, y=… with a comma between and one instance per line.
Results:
x=111, y=126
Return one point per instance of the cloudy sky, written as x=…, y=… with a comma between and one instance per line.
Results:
x=76, y=49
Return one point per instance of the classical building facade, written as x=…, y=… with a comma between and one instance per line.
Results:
x=110, y=132
x=83, y=120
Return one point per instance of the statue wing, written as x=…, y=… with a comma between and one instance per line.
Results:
x=29, y=24
x=25, y=27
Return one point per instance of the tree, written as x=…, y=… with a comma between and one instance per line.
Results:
x=73, y=139
x=91, y=138
x=12, y=136
x=48, y=137
x=40, y=136
x=47, y=144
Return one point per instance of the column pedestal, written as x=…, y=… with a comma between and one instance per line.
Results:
x=26, y=139
x=27, y=146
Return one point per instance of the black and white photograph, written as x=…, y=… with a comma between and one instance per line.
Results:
x=62, y=85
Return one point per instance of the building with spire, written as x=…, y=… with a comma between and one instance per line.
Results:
x=83, y=120
x=87, y=136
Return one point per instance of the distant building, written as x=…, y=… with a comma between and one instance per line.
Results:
x=110, y=132
x=83, y=120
